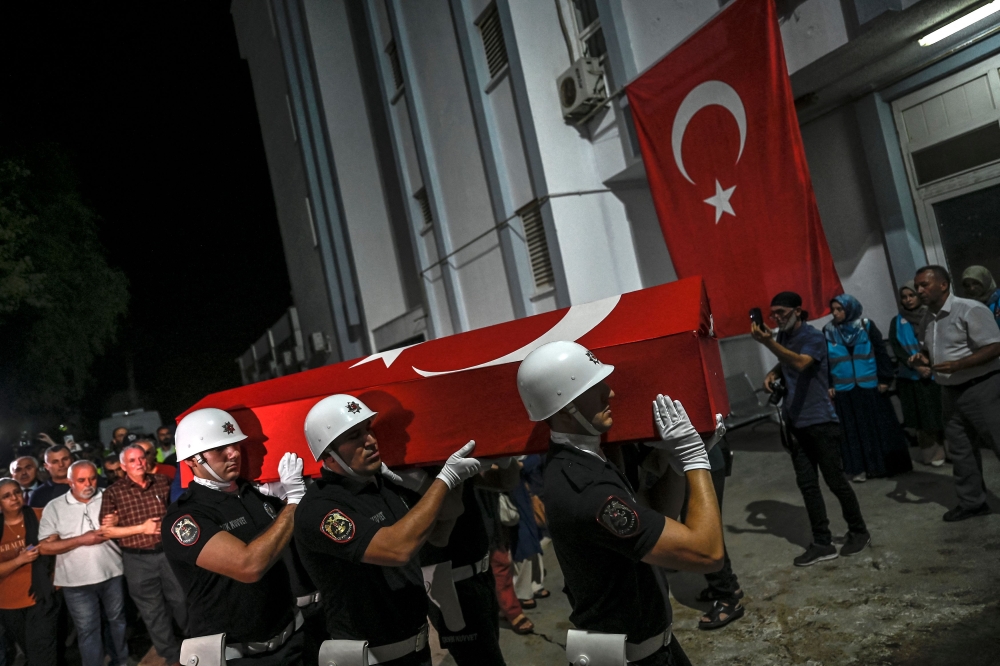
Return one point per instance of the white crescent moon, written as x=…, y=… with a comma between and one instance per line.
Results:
x=702, y=95
x=577, y=322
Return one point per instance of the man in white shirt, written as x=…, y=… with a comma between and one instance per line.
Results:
x=88, y=566
x=961, y=343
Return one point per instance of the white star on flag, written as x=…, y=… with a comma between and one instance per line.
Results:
x=721, y=201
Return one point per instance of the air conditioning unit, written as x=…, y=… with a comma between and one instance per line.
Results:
x=581, y=88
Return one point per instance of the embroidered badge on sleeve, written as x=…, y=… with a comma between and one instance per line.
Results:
x=186, y=531
x=618, y=517
x=270, y=511
x=338, y=526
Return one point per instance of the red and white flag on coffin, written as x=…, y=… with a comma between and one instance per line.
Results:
x=435, y=396
x=726, y=166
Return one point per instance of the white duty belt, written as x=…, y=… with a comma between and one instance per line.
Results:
x=594, y=648
x=249, y=649
x=307, y=599
x=359, y=653
x=470, y=570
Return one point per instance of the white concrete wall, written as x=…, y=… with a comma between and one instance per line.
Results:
x=815, y=28
x=357, y=171
x=463, y=207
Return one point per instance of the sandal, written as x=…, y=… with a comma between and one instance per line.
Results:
x=522, y=625
x=543, y=594
x=711, y=594
x=733, y=610
x=528, y=603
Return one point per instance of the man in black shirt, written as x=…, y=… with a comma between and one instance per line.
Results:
x=359, y=531
x=57, y=462
x=605, y=541
x=224, y=541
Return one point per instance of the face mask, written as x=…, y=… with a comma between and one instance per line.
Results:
x=790, y=323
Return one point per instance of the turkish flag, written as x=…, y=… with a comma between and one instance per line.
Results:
x=724, y=157
x=433, y=397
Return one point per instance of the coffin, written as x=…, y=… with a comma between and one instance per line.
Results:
x=435, y=396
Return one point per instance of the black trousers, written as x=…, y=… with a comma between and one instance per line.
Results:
x=722, y=583
x=34, y=629
x=478, y=644
x=817, y=447
x=289, y=654
x=671, y=654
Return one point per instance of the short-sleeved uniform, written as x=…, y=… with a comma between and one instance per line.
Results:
x=468, y=550
x=335, y=522
x=600, y=535
x=246, y=612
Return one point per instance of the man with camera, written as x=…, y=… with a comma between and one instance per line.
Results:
x=802, y=374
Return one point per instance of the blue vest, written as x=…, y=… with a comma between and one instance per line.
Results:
x=848, y=370
x=994, y=305
x=907, y=338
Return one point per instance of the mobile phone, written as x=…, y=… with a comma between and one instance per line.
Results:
x=32, y=547
x=757, y=317
x=68, y=439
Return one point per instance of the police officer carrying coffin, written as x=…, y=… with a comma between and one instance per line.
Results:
x=605, y=542
x=358, y=533
x=224, y=541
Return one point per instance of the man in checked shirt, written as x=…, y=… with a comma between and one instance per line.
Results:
x=131, y=513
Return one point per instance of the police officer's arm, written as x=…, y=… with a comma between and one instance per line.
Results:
x=226, y=555
x=696, y=544
x=798, y=361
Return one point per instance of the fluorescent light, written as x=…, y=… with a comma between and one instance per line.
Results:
x=960, y=23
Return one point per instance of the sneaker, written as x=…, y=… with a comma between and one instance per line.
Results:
x=816, y=553
x=855, y=542
x=860, y=478
x=958, y=513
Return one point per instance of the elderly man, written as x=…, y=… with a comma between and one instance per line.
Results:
x=152, y=466
x=24, y=470
x=131, y=513
x=57, y=462
x=961, y=344
x=88, y=566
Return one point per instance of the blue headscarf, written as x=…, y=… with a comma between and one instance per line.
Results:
x=852, y=326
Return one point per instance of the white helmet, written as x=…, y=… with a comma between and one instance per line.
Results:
x=205, y=429
x=331, y=417
x=554, y=375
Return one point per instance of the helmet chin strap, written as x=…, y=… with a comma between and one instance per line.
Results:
x=200, y=459
x=344, y=466
x=587, y=425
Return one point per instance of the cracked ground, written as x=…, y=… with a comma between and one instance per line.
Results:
x=925, y=592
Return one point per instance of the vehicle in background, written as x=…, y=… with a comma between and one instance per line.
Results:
x=138, y=421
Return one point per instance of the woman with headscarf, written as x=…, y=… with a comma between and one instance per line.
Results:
x=918, y=393
x=979, y=285
x=860, y=373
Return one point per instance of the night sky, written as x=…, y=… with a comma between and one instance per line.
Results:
x=155, y=108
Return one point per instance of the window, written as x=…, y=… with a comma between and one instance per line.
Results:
x=492, y=33
x=538, y=248
x=425, y=209
x=397, y=69
x=588, y=28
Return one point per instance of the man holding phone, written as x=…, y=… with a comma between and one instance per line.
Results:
x=813, y=423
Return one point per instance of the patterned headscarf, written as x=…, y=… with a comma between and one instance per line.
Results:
x=981, y=275
x=852, y=326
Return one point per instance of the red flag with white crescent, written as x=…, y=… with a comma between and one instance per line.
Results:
x=727, y=169
x=433, y=397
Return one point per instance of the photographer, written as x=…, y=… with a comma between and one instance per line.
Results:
x=803, y=372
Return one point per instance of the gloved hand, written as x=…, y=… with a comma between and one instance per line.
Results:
x=411, y=479
x=290, y=473
x=460, y=467
x=680, y=439
x=272, y=489
x=720, y=432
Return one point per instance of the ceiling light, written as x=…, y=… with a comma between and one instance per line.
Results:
x=960, y=23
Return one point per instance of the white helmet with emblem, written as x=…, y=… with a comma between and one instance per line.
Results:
x=554, y=375
x=330, y=418
x=205, y=429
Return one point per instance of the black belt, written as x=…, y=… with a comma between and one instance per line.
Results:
x=975, y=380
x=143, y=551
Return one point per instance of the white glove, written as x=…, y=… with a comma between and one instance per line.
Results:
x=459, y=467
x=680, y=439
x=411, y=479
x=272, y=489
x=720, y=432
x=290, y=473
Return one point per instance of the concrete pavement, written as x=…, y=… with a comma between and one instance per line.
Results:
x=926, y=592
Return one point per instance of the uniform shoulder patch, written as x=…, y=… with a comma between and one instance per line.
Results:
x=338, y=526
x=270, y=511
x=186, y=530
x=618, y=517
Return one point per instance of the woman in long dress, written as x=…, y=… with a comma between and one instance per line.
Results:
x=860, y=373
x=918, y=393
